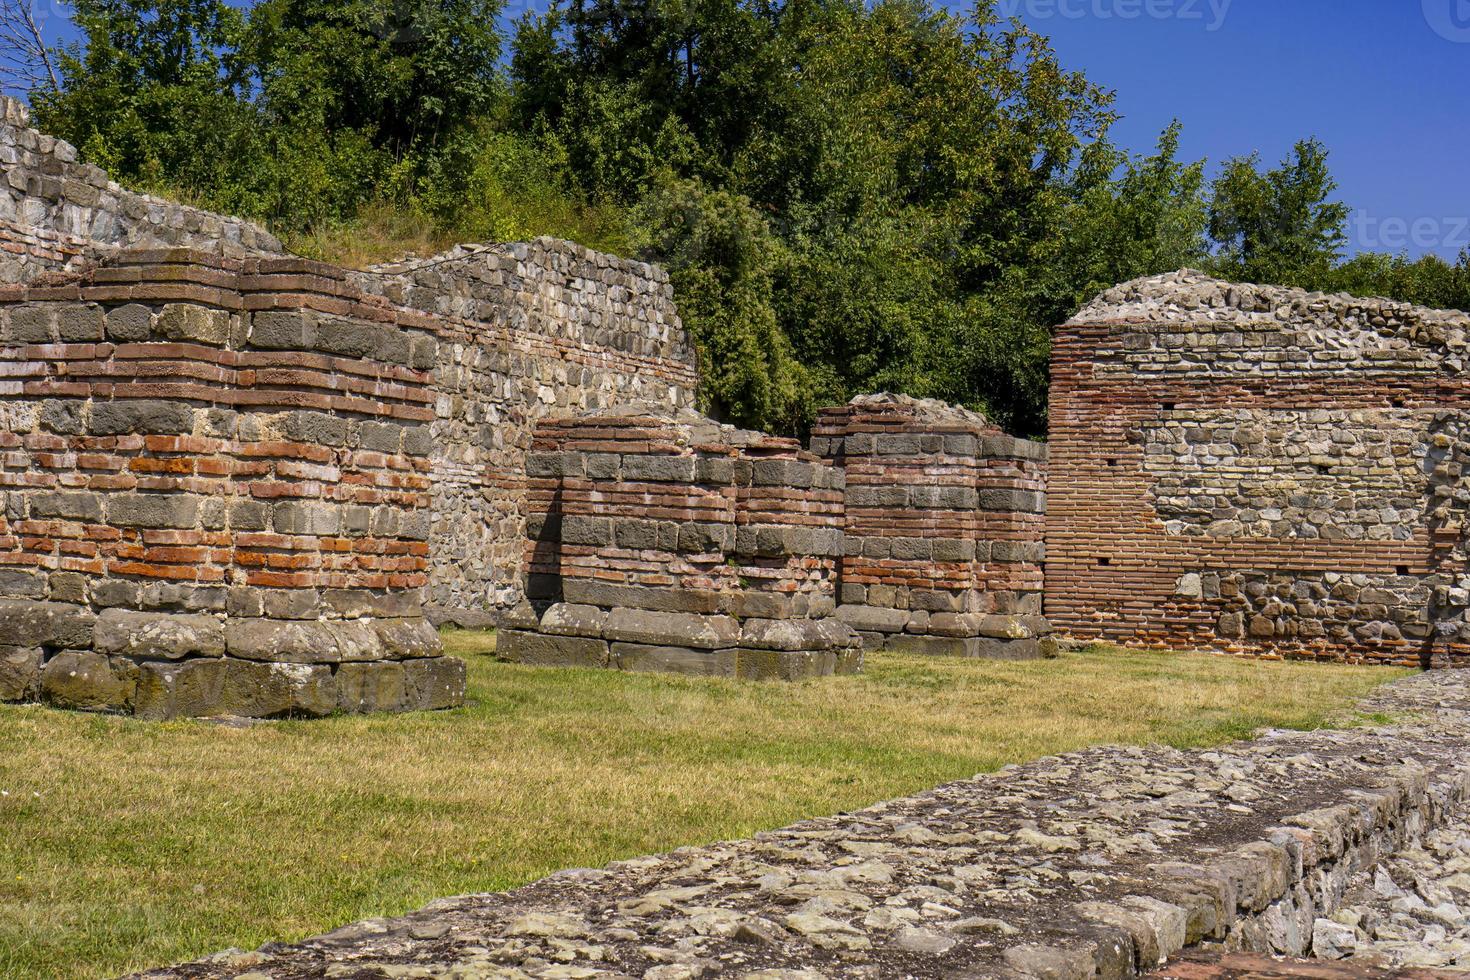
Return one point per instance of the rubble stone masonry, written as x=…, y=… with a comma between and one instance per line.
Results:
x=664, y=541
x=1260, y=470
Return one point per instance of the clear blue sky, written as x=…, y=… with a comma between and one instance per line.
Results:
x=1384, y=83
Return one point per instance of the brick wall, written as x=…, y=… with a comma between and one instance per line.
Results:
x=663, y=541
x=1259, y=470
x=944, y=524
x=215, y=480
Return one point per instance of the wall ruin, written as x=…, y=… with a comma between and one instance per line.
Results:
x=1259, y=470
x=664, y=541
x=945, y=517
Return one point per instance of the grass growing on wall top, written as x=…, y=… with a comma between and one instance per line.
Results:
x=127, y=844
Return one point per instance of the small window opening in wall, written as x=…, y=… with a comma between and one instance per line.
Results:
x=1102, y=562
x=1396, y=402
x=1403, y=569
x=1112, y=462
x=1167, y=406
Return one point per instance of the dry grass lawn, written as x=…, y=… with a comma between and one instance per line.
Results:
x=126, y=844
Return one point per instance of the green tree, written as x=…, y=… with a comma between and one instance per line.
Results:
x=1279, y=226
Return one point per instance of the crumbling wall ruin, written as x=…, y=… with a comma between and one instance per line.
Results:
x=945, y=517
x=1260, y=470
x=664, y=541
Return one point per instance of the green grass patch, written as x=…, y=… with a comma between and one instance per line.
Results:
x=128, y=844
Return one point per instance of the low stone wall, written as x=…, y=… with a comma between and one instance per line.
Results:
x=945, y=519
x=215, y=491
x=664, y=541
x=1095, y=864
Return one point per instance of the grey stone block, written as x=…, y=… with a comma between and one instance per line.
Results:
x=68, y=587
x=702, y=539
x=634, y=534
x=380, y=437
x=609, y=596
x=972, y=647
x=129, y=324
x=317, y=428
x=283, y=330
x=645, y=658
x=80, y=324
x=435, y=684
x=67, y=418
x=20, y=673
x=874, y=619
x=591, y=531
x=573, y=619
x=302, y=642
x=153, y=510
x=546, y=465
x=368, y=687
x=348, y=337
x=66, y=506
x=799, y=665
x=158, y=636
x=659, y=469
x=188, y=322
x=142, y=417
x=22, y=584
x=539, y=650
x=86, y=681
x=408, y=638
x=26, y=623
x=192, y=689
x=704, y=632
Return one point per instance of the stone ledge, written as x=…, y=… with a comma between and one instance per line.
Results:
x=539, y=649
x=1093, y=864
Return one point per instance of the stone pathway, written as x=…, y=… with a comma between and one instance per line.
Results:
x=1098, y=862
x=1253, y=966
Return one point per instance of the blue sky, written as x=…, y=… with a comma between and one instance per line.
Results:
x=1384, y=83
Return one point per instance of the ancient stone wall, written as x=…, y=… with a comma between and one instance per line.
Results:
x=55, y=210
x=530, y=330
x=215, y=491
x=664, y=541
x=1259, y=470
x=945, y=519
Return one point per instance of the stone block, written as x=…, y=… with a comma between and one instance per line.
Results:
x=788, y=665
x=539, y=650
x=158, y=636
x=316, y=428
x=20, y=673
x=972, y=647
x=129, y=324
x=408, y=638
x=659, y=469
x=646, y=658
x=191, y=323
x=874, y=618
x=704, y=632
x=141, y=417
x=67, y=418
x=191, y=689
x=153, y=510
x=609, y=596
x=66, y=506
x=283, y=330
x=80, y=324
x=26, y=623
x=573, y=619
x=275, y=641
x=368, y=687
x=795, y=634
x=86, y=681
x=435, y=684
x=21, y=583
